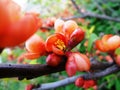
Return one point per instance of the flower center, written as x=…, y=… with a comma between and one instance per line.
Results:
x=60, y=44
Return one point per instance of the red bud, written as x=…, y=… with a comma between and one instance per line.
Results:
x=79, y=82
x=29, y=87
x=53, y=59
x=76, y=37
x=89, y=83
x=82, y=62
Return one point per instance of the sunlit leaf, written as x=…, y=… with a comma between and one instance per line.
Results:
x=91, y=39
x=117, y=51
x=92, y=29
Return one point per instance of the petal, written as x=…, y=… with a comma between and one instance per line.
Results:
x=113, y=42
x=71, y=67
x=9, y=12
x=57, y=51
x=59, y=26
x=35, y=44
x=19, y=32
x=76, y=37
x=68, y=28
x=52, y=39
x=104, y=41
x=99, y=45
x=31, y=55
x=82, y=62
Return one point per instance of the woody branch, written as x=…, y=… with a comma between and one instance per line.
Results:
x=32, y=71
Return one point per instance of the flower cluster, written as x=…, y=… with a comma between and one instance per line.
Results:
x=58, y=45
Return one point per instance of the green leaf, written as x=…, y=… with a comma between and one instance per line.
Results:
x=92, y=29
x=33, y=62
x=117, y=85
x=92, y=38
x=117, y=51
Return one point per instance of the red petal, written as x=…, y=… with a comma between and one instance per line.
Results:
x=76, y=37
x=71, y=67
x=31, y=55
x=35, y=44
x=82, y=62
x=50, y=42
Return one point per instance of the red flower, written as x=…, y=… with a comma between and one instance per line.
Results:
x=35, y=46
x=15, y=28
x=56, y=43
x=77, y=62
x=108, y=43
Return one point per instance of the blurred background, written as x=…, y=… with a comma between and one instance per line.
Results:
x=65, y=9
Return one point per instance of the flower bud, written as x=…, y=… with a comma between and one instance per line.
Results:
x=71, y=67
x=76, y=37
x=89, y=83
x=79, y=82
x=53, y=59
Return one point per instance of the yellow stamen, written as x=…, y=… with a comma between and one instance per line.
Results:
x=60, y=44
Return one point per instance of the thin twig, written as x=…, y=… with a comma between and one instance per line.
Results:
x=90, y=14
x=103, y=17
x=70, y=80
x=76, y=6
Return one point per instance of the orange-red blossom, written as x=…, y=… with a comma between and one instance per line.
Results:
x=67, y=36
x=77, y=62
x=59, y=45
x=108, y=43
x=15, y=28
